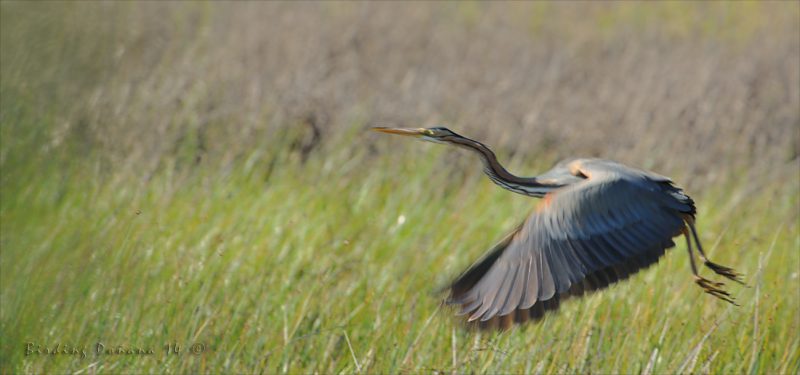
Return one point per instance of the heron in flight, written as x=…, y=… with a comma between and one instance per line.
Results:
x=598, y=223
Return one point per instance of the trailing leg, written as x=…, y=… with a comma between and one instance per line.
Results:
x=710, y=287
x=727, y=272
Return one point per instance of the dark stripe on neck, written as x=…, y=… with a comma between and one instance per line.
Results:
x=499, y=175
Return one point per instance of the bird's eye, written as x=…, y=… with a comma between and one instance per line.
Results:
x=429, y=132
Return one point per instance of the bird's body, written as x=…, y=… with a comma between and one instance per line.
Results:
x=599, y=222
x=611, y=222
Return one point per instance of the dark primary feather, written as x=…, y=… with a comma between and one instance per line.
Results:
x=587, y=236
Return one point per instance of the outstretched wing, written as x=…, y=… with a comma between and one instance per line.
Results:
x=581, y=238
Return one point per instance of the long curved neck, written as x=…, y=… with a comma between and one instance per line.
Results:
x=529, y=186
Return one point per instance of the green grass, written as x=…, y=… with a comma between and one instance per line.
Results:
x=154, y=189
x=313, y=270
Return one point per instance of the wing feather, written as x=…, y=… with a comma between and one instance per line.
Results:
x=559, y=270
x=502, y=293
x=532, y=292
x=547, y=287
x=590, y=235
x=515, y=294
x=528, y=296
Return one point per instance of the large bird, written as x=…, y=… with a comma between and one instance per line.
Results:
x=598, y=223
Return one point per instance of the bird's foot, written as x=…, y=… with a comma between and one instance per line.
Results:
x=727, y=272
x=714, y=289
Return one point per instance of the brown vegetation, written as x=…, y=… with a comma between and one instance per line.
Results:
x=693, y=87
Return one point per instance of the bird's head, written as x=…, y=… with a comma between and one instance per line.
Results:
x=436, y=134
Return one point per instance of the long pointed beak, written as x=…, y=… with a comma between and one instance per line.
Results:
x=400, y=131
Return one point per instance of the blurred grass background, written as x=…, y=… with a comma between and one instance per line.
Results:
x=200, y=173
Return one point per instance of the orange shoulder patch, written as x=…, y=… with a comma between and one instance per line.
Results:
x=547, y=200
